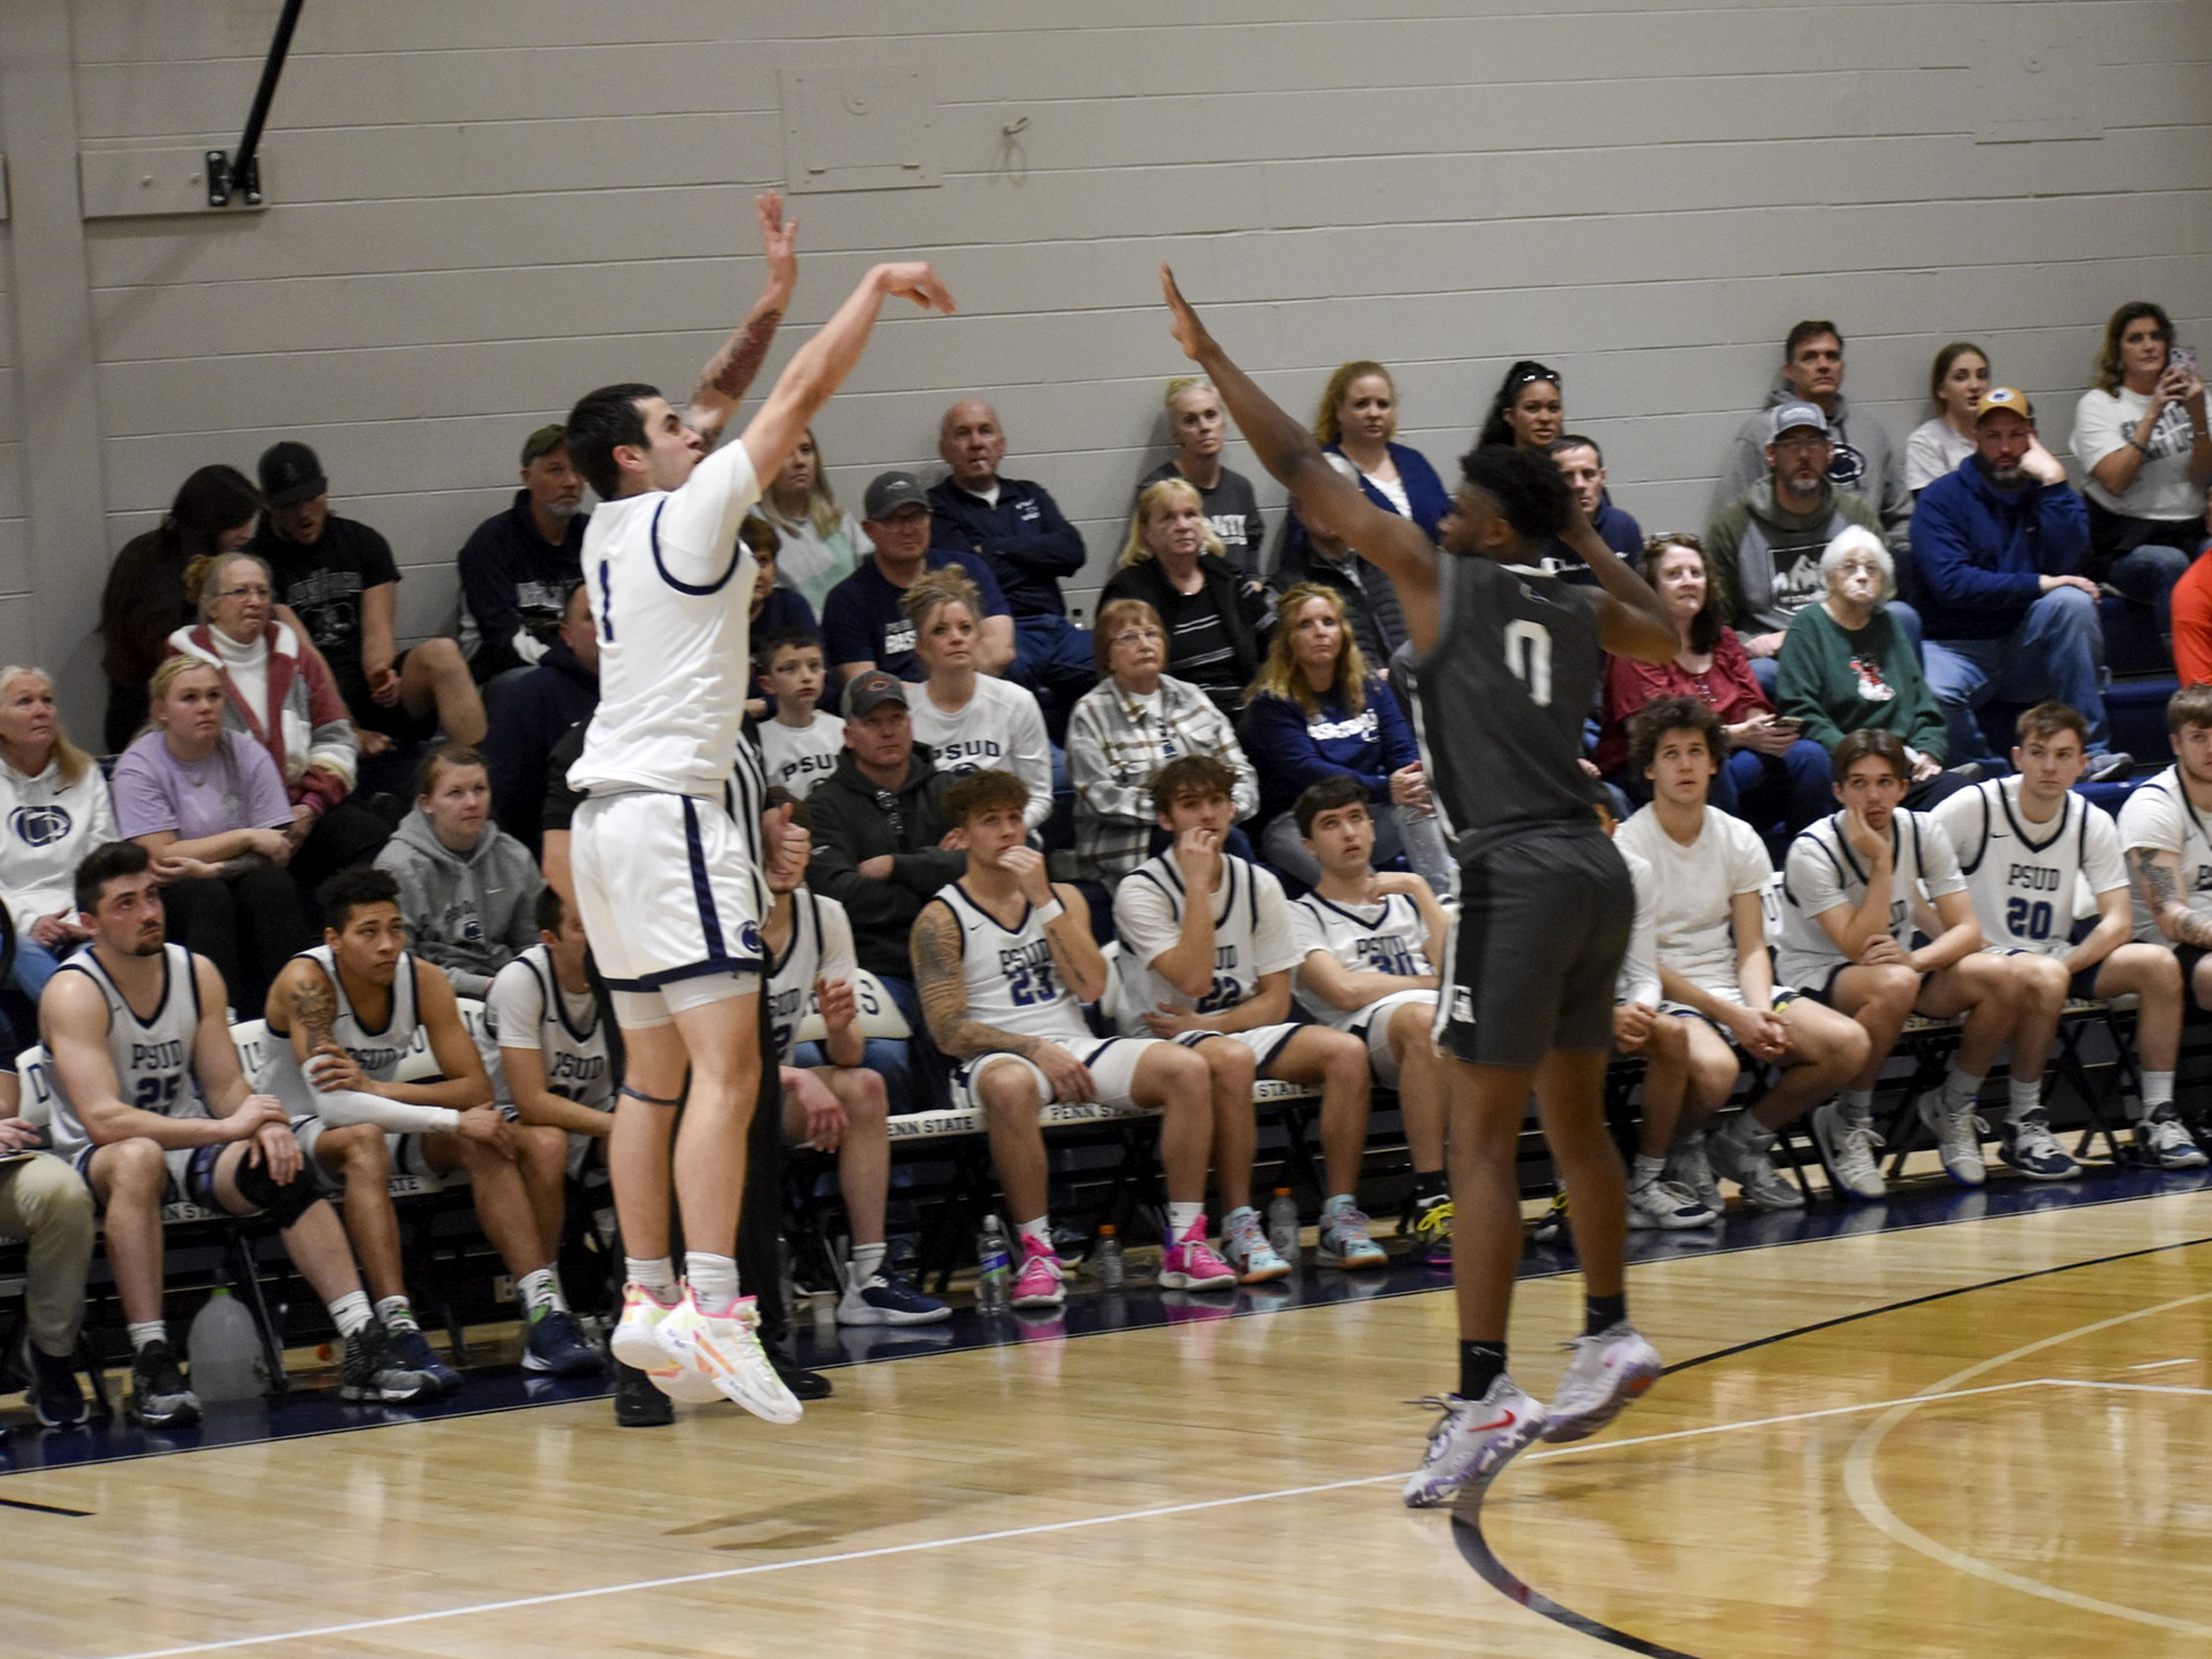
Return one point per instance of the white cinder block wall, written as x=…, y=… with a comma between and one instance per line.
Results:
x=481, y=210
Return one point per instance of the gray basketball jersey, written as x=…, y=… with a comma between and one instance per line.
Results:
x=1498, y=701
x=152, y=1057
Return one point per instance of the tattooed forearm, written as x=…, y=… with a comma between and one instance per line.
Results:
x=935, y=948
x=2157, y=884
x=734, y=367
x=314, y=1011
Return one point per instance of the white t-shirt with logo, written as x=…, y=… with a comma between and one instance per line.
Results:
x=1001, y=729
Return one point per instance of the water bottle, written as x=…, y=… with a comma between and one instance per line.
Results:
x=994, y=1277
x=1282, y=1224
x=1106, y=1259
x=224, y=1350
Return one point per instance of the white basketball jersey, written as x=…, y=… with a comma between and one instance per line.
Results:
x=152, y=1057
x=1252, y=937
x=378, y=1050
x=821, y=947
x=527, y=1009
x=1822, y=872
x=2159, y=814
x=1012, y=981
x=1379, y=938
x=2023, y=877
x=671, y=590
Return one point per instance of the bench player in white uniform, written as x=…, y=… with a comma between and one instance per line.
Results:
x=1216, y=976
x=1852, y=893
x=153, y=1107
x=541, y=1027
x=2026, y=843
x=2163, y=841
x=1370, y=944
x=662, y=879
x=344, y=1015
x=1003, y=961
x=840, y=1108
x=1710, y=871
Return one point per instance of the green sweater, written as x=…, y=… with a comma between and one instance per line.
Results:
x=1837, y=682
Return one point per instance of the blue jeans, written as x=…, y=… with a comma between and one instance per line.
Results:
x=2056, y=650
x=34, y=966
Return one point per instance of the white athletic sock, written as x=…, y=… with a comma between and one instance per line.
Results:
x=652, y=1273
x=1857, y=1103
x=397, y=1313
x=144, y=1330
x=1647, y=1170
x=713, y=1278
x=2022, y=1095
x=541, y=1293
x=1960, y=1089
x=1181, y=1217
x=867, y=1262
x=350, y=1311
x=1039, y=1229
x=2157, y=1090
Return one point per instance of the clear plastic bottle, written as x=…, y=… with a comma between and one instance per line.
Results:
x=1282, y=1224
x=995, y=1276
x=224, y=1350
x=1106, y=1259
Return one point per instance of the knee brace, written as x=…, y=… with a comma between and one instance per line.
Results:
x=282, y=1204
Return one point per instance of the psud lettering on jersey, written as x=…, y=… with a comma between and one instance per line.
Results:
x=2035, y=878
x=156, y=1056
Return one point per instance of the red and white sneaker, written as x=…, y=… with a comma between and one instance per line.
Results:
x=1189, y=1263
x=1038, y=1285
x=1472, y=1441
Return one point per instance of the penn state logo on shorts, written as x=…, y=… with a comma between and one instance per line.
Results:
x=39, y=826
x=749, y=940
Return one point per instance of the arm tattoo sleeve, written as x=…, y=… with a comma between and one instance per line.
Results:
x=315, y=1011
x=2159, y=888
x=730, y=378
x=944, y=991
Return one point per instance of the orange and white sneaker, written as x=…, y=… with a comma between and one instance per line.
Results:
x=723, y=1349
x=640, y=1339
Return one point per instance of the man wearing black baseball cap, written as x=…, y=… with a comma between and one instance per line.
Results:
x=518, y=566
x=862, y=627
x=339, y=576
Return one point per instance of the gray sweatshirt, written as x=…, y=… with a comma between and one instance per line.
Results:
x=1862, y=465
x=470, y=912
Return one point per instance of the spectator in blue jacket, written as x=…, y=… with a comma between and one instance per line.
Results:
x=541, y=704
x=862, y=627
x=1359, y=421
x=2000, y=544
x=518, y=566
x=1016, y=528
x=1583, y=464
x=1315, y=711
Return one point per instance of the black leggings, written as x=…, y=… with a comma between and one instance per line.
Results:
x=248, y=925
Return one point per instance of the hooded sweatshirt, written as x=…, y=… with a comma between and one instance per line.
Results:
x=1769, y=559
x=853, y=822
x=1984, y=551
x=1862, y=464
x=470, y=912
x=47, y=826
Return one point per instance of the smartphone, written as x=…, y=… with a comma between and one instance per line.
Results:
x=2182, y=356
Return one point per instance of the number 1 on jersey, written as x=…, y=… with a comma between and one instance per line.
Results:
x=1528, y=657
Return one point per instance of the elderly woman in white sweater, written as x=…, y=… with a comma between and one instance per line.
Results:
x=55, y=808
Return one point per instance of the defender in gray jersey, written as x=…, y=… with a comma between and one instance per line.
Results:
x=152, y=1107
x=1509, y=659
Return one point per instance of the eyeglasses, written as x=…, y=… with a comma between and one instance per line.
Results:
x=243, y=593
x=1805, y=440
x=1137, y=636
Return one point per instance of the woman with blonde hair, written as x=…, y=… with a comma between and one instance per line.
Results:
x=971, y=720
x=1358, y=419
x=1198, y=426
x=1316, y=711
x=1172, y=561
x=822, y=543
x=55, y=808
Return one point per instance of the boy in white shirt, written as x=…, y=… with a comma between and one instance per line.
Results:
x=800, y=744
x=1206, y=955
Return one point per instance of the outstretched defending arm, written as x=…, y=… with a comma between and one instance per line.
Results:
x=731, y=369
x=1327, y=500
x=1630, y=620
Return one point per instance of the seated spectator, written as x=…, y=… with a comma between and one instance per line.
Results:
x=861, y=626
x=1848, y=664
x=1359, y=421
x=2192, y=610
x=144, y=600
x=2001, y=542
x=1172, y=563
x=1526, y=411
x=56, y=809
x=1018, y=529
x=533, y=712
x=211, y=806
x=1374, y=945
x=823, y=543
x=1129, y=725
x=1004, y=962
x=344, y=1015
x=1583, y=464
x=1956, y=381
x=969, y=720
x=1771, y=772
x=1198, y=427
x=801, y=740
x=1370, y=597
x=339, y=575
x=1857, y=462
x=277, y=691
x=2142, y=433
x=468, y=890
x=517, y=566
x=1765, y=545
x=879, y=831
x=153, y=1109
x=44, y=1204
x=1205, y=960
x=1313, y=712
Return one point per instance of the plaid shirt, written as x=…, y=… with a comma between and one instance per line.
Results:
x=1114, y=746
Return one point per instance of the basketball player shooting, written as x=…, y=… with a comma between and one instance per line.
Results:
x=1509, y=658
x=668, y=872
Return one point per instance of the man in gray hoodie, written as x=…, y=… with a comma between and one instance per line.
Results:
x=467, y=888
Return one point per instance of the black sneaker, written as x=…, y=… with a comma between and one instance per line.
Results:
x=2110, y=766
x=374, y=1370
x=415, y=1353
x=556, y=1346
x=158, y=1397
x=804, y=1384
x=54, y=1395
x=637, y=1403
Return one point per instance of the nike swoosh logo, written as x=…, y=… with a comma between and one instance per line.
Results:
x=1507, y=1421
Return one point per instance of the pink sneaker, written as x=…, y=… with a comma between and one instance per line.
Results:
x=1038, y=1285
x=1189, y=1264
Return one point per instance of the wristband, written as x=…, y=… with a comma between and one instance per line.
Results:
x=1050, y=912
